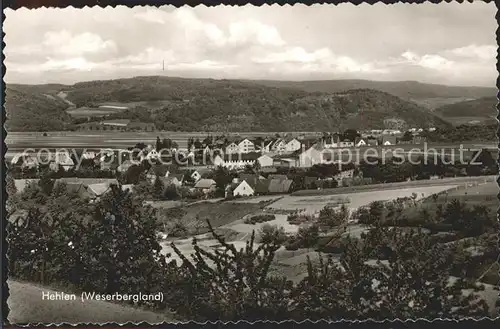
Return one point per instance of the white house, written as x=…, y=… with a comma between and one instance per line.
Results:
x=61, y=158
x=292, y=145
x=246, y=146
x=232, y=148
x=388, y=140
x=279, y=145
x=235, y=161
x=196, y=176
x=360, y=142
x=242, y=189
x=310, y=157
x=265, y=161
x=88, y=155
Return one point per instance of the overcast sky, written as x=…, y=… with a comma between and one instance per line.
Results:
x=448, y=43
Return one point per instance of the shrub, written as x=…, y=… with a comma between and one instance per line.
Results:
x=259, y=219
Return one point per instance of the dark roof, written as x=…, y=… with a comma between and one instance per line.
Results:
x=242, y=156
x=251, y=179
x=279, y=177
x=279, y=186
x=268, y=170
x=261, y=186
x=391, y=139
x=205, y=183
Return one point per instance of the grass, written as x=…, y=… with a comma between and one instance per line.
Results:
x=219, y=214
x=84, y=112
x=390, y=186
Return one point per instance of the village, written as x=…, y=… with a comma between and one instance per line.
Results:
x=258, y=164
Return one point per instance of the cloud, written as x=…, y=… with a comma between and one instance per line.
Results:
x=63, y=43
x=483, y=52
x=320, y=60
x=252, y=31
x=151, y=15
x=445, y=43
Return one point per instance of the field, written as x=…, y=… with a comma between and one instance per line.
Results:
x=84, y=112
x=315, y=203
x=483, y=193
x=399, y=185
x=26, y=306
x=229, y=216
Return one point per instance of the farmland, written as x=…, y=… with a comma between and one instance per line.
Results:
x=234, y=222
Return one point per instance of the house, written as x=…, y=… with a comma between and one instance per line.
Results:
x=292, y=145
x=205, y=185
x=89, y=155
x=21, y=184
x=346, y=143
x=18, y=218
x=278, y=177
x=310, y=157
x=149, y=155
x=78, y=188
x=307, y=143
x=277, y=186
x=171, y=180
x=359, y=142
x=342, y=175
x=25, y=160
x=418, y=140
x=246, y=146
x=265, y=161
x=267, y=146
x=239, y=188
x=330, y=141
x=287, y=162
x=235, y=161
x=268, y=170
x=157, y=170
x=125, y=166
x=178, y=177
x=388, y=140
x=372, y=142
x=61, y=159
x=278, y=145
x=97, y=190
x=232, y=148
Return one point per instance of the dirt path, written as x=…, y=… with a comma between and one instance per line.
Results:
x=26, y=306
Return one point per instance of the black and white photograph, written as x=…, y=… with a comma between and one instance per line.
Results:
x=325, y=162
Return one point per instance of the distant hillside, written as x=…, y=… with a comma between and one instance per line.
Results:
x=428, y=95
x=482, y=107
x=231, y=105
x=30, y=108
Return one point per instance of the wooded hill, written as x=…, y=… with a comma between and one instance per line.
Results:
x=482, y=109
x=425, y=94
x=217, y=105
